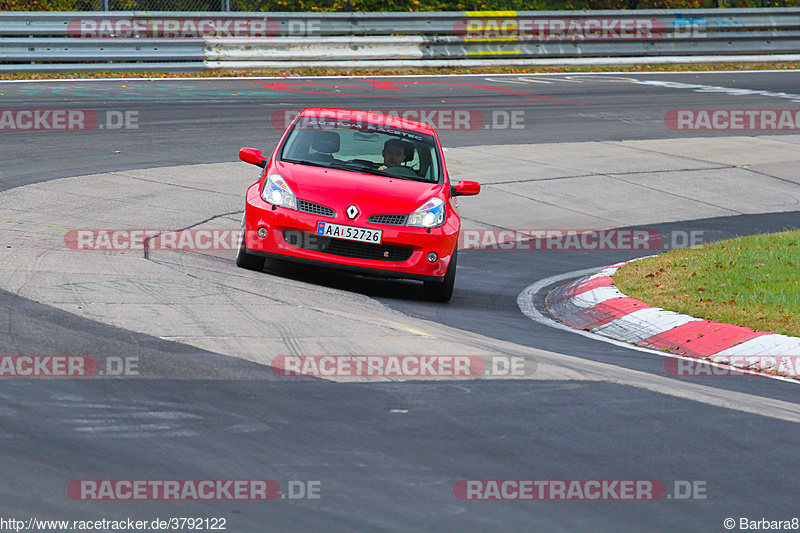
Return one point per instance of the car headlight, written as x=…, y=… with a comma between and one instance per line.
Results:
x=429, y=215
x=277, y=192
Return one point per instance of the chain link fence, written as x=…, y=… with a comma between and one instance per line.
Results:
x=197, y=5
x=308, y=6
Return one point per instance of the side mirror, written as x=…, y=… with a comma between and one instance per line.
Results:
x=465, y=188
x=253, y=156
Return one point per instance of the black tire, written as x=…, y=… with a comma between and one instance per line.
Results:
x=442, y=291
x=246, y=260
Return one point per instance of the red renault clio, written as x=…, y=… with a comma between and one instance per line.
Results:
x=357, y=191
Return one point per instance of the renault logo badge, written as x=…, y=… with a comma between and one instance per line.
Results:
x=352, y=212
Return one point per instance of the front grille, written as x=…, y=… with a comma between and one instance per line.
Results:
x=314, y=209
x=345, y=248
x=393, y=220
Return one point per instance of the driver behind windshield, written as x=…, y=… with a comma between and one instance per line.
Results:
x=394, y=153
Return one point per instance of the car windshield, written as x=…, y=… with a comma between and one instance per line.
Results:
x=360, y=146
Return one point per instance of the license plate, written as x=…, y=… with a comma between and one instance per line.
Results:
x=350, y=233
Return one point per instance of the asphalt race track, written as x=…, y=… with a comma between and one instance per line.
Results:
x=552, y=151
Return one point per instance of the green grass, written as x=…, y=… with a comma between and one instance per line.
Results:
x=750, y=281
x=688, y=67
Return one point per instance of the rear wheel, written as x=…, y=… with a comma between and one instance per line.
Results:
x=442, y=291
x=246, y=260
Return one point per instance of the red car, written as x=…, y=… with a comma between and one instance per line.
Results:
x=357, y=191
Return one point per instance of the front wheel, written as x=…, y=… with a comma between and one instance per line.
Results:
x=442, y=291
x=246, y=260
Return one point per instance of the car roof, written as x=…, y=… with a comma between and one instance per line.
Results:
x=368, y=116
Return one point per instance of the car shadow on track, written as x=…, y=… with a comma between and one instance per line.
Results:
x=347, y=281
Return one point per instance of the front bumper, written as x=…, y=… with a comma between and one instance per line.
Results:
x=290, y=235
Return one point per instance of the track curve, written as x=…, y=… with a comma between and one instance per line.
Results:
x=387, y=454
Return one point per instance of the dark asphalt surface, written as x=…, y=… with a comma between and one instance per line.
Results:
x=387, y=455
x=192, y=121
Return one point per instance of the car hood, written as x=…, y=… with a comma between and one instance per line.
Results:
x=338, y=189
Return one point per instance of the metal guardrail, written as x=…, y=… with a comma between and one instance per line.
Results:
x=41, y=24
x=60, y=24
x=46, y=41
x=73, y=50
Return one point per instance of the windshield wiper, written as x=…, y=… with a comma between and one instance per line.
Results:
x=361, y=168
x=412, y=178
x=358, y=168
x=378, y=172
x=304, y=162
